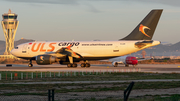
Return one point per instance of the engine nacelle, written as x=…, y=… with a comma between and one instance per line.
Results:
x=115, y=64
x=45, y=59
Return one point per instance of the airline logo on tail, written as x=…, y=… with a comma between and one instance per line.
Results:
x=141, y=28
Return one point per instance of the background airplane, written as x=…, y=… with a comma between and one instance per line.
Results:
x=70, y=52
x=126, y=60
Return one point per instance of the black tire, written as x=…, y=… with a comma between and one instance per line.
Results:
x=127, y=65
x=30, y=65
x=83, y=65
x=74, y=65
x=88, y=65
x=69, y=65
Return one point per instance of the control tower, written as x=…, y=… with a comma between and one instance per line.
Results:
x=9, y=26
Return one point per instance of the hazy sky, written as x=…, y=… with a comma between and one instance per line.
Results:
x=82, y=20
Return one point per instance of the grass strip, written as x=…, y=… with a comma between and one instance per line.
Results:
x=64, y=88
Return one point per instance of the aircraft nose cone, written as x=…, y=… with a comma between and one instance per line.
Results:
x=134, y=62
x=12, y=52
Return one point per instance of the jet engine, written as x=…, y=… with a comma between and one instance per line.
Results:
x=45, y=59
x=115, y=64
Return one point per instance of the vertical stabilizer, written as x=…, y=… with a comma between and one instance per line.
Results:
x=145, y=29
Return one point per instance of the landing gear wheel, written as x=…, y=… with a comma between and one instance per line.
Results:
x=88, y=65
x=74, y=65
x=83, y=65
x=30, y=65
x=69, y=65
x=127, y=65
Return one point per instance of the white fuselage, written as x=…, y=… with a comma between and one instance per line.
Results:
x=94, y=49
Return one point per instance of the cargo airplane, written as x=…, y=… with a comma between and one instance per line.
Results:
x=70, y=52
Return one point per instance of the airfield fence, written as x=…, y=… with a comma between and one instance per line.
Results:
x=15, y=76
x=8, y=75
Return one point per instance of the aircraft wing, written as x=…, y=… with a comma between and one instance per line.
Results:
x=119, y=62
x=67, y=51
x=64, y=51
x=142, y=59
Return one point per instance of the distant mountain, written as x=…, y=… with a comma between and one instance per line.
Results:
x=3, y=46
x=167, y=48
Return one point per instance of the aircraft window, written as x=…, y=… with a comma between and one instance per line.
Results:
x=16, y=47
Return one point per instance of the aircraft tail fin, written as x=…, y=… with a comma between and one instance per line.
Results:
x=145, y=29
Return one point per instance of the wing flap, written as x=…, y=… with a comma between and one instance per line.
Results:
x=67, y=51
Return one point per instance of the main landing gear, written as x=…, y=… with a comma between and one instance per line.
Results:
x=85, y=64
x=134, y=65
x=72, y=65
x=126, y=65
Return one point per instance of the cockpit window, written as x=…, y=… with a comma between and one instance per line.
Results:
x=15, y=47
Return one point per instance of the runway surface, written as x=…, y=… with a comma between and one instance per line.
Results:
x=155, y=68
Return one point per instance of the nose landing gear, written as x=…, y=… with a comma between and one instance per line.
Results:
x=30, y=63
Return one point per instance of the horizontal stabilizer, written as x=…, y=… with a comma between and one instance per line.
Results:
x=143, y=44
